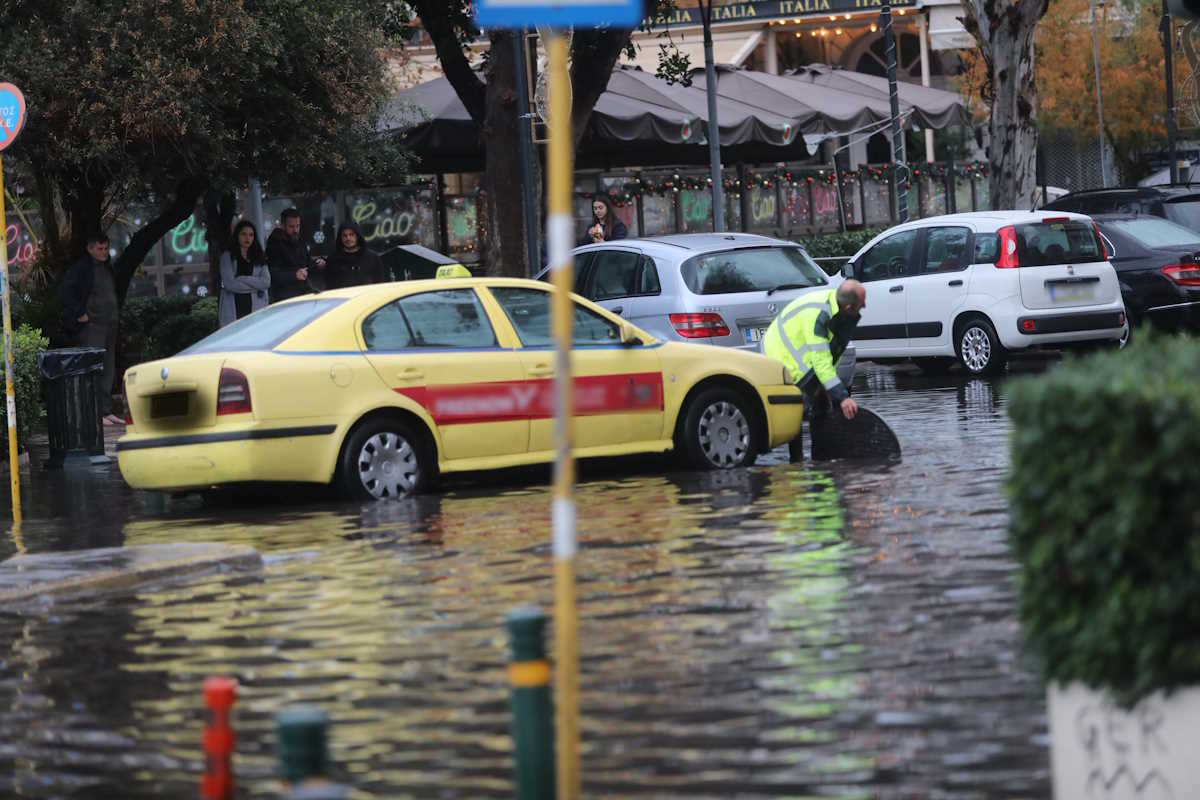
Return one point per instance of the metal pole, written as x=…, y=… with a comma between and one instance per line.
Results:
x=837, y=174
x=1168, y=41
x=923, y=30
x=256, y=210
x=558, y=230
x=530, y=704
x=526, y=138
x=900, y=173
x=13, y=471
x=1099, y=104
x=714, y=127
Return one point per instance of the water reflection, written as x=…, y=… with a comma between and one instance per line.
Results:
x=779, y=631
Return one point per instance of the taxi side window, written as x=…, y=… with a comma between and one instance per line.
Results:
x=445, y=319
x=529, y=312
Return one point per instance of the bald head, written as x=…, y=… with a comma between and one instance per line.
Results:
x=852, y=296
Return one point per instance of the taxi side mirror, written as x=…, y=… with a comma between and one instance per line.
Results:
x=628, y=337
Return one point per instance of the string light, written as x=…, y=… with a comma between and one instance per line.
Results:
x=833, y=17
x=847, y=16
x=900, y=11
x=874, y=27
x=838, y=31
x=799, y=34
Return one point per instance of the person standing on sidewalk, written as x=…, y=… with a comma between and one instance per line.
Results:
x=352, y=262
x=808, y=337
x=289, y=259
x=245, y=279
x=90, y=311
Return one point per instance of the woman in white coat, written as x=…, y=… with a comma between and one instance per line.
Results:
x=245, y=278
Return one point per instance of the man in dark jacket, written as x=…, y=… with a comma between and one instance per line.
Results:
x=352, y=262
x=289, y=259
x=89, y=311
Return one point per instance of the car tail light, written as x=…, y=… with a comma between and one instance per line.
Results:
x=1183, y=274
x=698, y=326
x=1029, y=326
x=233, y=393
x=1008, y=248
x=128, y=412
x=1100, y=241
x=1050, y=220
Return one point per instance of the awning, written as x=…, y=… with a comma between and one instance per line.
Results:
x=729, y=47
x=924, y=106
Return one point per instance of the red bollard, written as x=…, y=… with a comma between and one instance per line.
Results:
x=219, y=696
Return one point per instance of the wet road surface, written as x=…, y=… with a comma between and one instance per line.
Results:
x=780, y=631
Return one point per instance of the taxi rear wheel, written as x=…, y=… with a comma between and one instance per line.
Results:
x=718, y=431
x=384, y=459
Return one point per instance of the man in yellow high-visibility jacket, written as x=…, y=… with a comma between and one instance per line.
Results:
x=809, y=337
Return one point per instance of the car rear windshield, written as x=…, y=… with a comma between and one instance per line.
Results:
x=1043, y=244
x=751, y=269
x=1156, y=232
x=1184, y=210
x=264, y=329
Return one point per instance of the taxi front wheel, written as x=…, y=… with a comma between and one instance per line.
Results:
x=384, y=459
x=717, y=431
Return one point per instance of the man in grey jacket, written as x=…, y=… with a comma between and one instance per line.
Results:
x=90, y=310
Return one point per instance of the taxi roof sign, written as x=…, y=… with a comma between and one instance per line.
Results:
x=558, y=14
x=12, y=113
x=452, y=271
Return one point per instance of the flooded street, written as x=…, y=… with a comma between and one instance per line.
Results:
x=781, y=631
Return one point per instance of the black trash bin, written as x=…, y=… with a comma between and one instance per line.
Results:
x=73, y=384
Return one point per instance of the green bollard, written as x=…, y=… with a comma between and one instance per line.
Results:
x=304, y=755
x=531, y=704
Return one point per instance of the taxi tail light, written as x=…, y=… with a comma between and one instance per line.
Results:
x=233, y=393
x=128, y=410
x=1183, y=274
x=698, y=326
x=1008, y=248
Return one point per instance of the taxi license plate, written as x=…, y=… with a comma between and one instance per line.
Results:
x=753, y=335
x=1071, y=294
x=174, y=404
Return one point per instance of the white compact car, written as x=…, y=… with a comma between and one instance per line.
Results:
x=976, y=287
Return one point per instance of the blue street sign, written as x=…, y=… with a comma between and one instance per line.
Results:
x=558, y=14
x=12, y=113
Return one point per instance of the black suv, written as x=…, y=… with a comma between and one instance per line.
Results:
x=1179, y=203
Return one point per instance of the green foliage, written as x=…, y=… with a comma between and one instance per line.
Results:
x=1105, y=517
x=832, y=245
x=27, y=381
x=159, y=327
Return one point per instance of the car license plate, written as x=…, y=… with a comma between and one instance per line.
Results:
x=1071, y=293
x=753, y=335
x=174, y=404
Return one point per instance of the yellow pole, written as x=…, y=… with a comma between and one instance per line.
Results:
x=15, y=475
x=559, y=228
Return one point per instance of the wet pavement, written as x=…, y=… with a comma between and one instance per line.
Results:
x=780, y=631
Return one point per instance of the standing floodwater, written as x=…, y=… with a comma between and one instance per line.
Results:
x=780, y=631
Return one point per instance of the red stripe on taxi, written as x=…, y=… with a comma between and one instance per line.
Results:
x=502, y=401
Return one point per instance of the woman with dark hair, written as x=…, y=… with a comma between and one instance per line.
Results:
x=245, y=278
x=605, y=226
x=352, y=262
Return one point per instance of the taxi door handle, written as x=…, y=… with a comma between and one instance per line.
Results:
x=411, y=374
x=541, y=370
x=895, y=289
x=956, y=283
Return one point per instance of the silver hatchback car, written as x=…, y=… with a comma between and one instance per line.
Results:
x=709, y=288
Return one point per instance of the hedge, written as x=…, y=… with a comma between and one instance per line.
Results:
x=834, y=245
x=27, y=381
x=159, y=327
x=1105, y=517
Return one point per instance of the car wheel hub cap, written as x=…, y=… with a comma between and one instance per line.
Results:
x=387, y=466
x=976, y=349
x=724, y=434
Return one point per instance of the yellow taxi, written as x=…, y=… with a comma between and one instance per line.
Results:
x=380, y=388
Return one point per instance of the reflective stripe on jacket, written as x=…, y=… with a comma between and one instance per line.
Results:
x=802, y=338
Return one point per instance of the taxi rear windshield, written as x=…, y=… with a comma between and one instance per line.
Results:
x=1044, y=244
x=751, y=269
x=264, y=329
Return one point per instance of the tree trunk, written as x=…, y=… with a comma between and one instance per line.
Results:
x=219, y=209
x=169, y=215
x=504, y=237
x=1004, y=31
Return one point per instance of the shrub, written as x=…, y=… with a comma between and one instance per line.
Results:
x=159, y=327
x=834, y=245
x=27, y=381
x=1106, y=517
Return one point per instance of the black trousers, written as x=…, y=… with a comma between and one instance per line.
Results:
x=817, y=405
x=103, y=334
